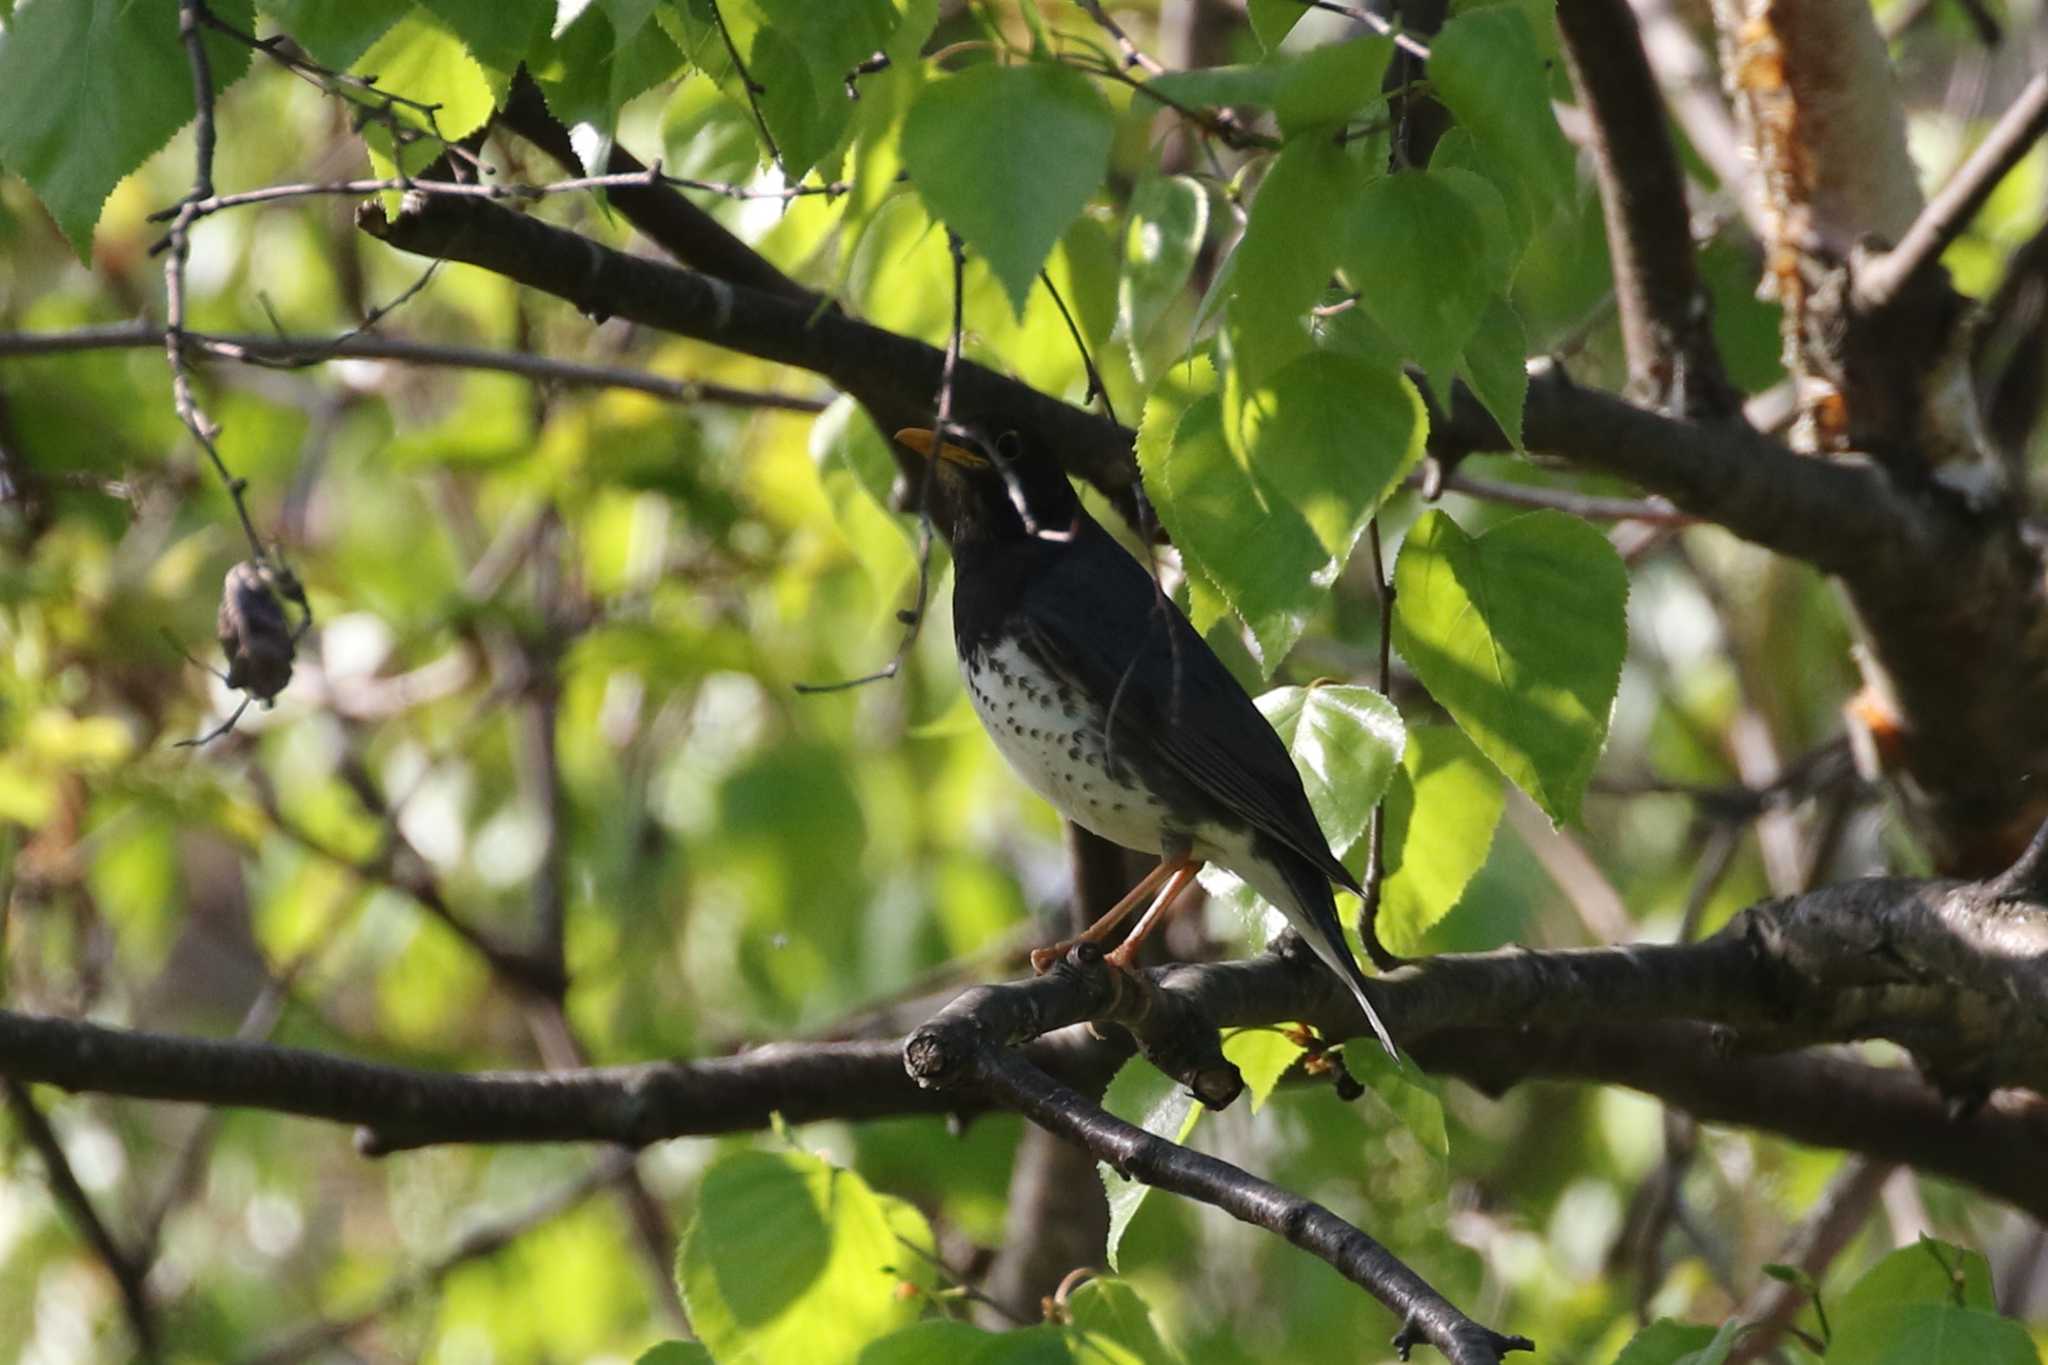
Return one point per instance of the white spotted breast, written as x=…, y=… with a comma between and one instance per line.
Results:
x=1052, y=736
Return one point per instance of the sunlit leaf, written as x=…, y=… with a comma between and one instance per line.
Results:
x=1110, y=1321
x=1519, y=634
x=1006, y=157
x=1345, y=742
x=500, y=32
x=1292, y=244
x=1262, y=1056
x=1407, y=1093
x=1146, y=1096
x=1169, y=216
x=1334, y=435
x=1441, y=811
x=89, y=88
x=789, y=1258
x=1256, y=550
x=335, y=34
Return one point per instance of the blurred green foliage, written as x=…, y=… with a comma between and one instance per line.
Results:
x=558, y=633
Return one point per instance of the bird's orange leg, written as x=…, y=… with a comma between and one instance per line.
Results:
x=1042, y=959
x=1184, y=871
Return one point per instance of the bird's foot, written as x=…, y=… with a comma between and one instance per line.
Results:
x=1045, y=959
x=1384, y=959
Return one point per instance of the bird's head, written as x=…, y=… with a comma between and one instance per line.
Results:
x=1005, y=489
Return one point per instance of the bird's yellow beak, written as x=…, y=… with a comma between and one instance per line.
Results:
x=925, y=442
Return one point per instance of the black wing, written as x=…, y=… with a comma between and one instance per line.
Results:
x=1175, y=709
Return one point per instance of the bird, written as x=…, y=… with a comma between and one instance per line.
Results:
x=1104, y=698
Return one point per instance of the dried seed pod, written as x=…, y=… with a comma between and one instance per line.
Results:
x=254, y=632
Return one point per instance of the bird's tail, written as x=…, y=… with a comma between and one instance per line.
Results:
x=1314, y=913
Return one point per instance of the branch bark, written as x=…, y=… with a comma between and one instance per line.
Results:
x=1951, y=970
x=1673, y=362
x=1425, y=1315
x=894, y=376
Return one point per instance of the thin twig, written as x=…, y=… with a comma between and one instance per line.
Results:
x=193, y=17
x=648, y=178
x=1133, y=56
x=1424, y=1314
x=913, y=618
x=1385, y=28
x=1224, y=129
x=297, y=352
x=129, y=1275
x=1591, y=506
x=375, y=103
x=1372, y=883
x=485, y=1239
x=747, y=83
x=1096, y=388
x=1957, y=202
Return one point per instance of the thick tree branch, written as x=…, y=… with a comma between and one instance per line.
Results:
x=1665, y=328
x=1425, y=1315
x=687, y=233
x=1840, y=517
x=1824, y=1099
x=1958, y=201
x=894, y=376
x=1952, y=970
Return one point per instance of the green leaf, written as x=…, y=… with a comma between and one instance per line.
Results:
x=1929, y=1271
x=1487, y=68
x=1325, y=86
x=1261, y=1056
x=1007, y=157
x=90, y=88
x=1169, y=218
x=422, y=60
x=1441, y=811
x=1144, y=1095
x=1666, y=1342
x=1345, y=742
x=1291, y=246
x=1273, y=20
x=798, y=54
x=675, y=1353
x=591, y=69
x=1495, y=367
x=1253, y=548
x=789, y=1258
x=1220, y=87
x=1319, y=88
x=502, y=33
x=1334, y=436
x=1519, y=634
x=336, y=34
x=945, y=1342
x=1409, y=1096
x=1409, y=254
x=1931, y=1334
x=1504, y=243
x=1108, y=1316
